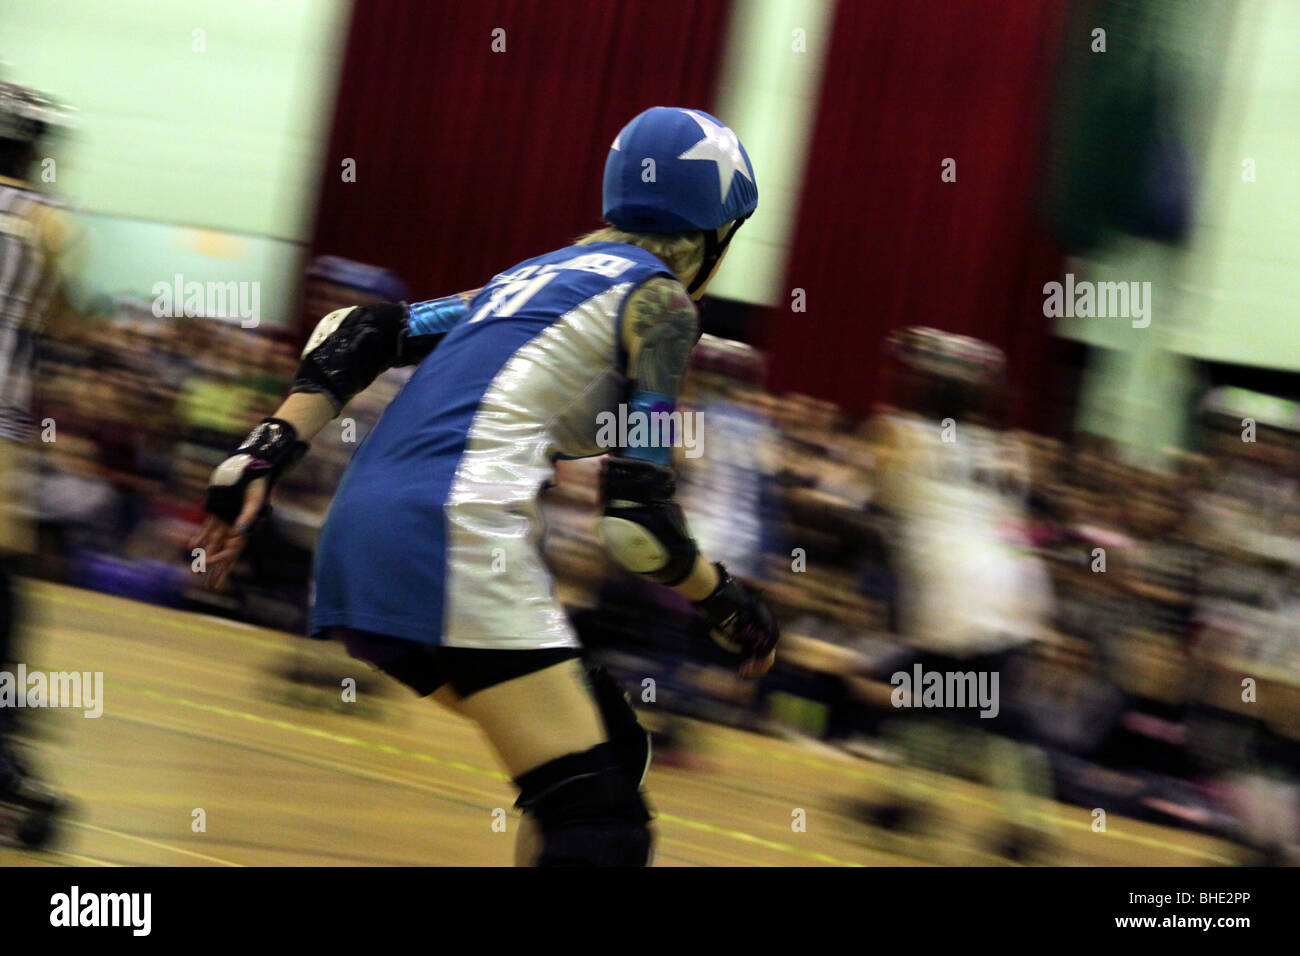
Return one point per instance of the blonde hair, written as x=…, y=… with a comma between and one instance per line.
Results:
x=682, y=252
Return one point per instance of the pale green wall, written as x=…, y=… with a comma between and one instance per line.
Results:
x=768, y=93
x=1240, y=296
x=204, y=163
x=229, y=139
x=1229, y=295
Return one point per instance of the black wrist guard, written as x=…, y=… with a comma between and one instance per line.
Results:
x=270, y=449
x=643, y=529
x=741, y=621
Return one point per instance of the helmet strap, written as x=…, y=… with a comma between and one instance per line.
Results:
x=713, y=250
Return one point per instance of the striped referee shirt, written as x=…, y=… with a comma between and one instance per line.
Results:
x=34, y=231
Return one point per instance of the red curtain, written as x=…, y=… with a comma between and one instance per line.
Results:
x=881, y=241
x=469, y=160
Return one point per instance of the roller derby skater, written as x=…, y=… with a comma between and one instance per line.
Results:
x=429, y=564
x=954, y=484
x=37, y=241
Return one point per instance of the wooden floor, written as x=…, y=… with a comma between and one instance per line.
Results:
x=195, y=720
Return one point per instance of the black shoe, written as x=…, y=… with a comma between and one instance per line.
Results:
x=1022, y=844
x=12, y=772
x=19, y=788
x=895, y=816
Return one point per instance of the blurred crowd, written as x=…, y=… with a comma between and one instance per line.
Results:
x=1167, y=679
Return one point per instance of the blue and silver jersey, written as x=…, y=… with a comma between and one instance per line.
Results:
x=434, y=534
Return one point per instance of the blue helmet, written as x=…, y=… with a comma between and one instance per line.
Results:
x=700, y=177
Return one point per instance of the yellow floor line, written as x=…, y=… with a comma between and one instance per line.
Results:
x=757, y=841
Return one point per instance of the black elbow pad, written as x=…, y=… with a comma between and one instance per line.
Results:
x=643, y=529
x=350, y=348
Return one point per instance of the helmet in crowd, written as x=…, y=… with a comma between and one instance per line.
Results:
x=945, y=374
x=676, y=170
x=370, y=280
x=26, y=115
x=947, y=355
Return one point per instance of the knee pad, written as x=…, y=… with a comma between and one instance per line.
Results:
x=588, y=809
x=630, y=740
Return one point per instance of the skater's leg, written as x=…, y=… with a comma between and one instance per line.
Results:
x=17, y=539
x=579, y=790
x=18, y=788
x=1018, y=772
x=8, y=626
x=10, y=609
x=446, y=697
x=568, y=737
x=538, y=717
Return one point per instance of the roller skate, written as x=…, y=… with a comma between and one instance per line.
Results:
x=29, y=809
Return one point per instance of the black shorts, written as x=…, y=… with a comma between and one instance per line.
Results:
x=425, y=667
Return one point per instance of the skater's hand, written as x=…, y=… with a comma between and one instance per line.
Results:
x=239, y=488
x=742, y=623
x=222, y=542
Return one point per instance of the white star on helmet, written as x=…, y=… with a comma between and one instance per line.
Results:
x=720, y=146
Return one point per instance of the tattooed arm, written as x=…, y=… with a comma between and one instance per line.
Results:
x=642, y=527
x=659, y=329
